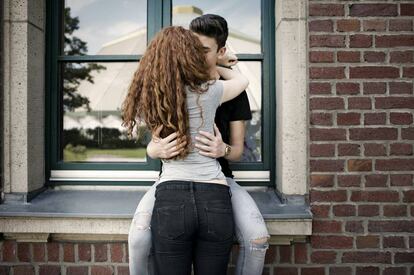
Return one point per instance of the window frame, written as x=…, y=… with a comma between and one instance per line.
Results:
x=154, y=23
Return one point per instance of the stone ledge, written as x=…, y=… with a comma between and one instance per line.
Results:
x=88, y=215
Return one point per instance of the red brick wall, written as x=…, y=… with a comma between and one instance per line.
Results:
x=361, y=70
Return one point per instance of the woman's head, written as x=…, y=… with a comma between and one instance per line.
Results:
x=174, y=59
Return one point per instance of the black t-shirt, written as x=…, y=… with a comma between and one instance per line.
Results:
x=233, y=110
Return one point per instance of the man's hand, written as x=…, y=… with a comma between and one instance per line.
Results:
x=211, y=145
x=164, y=148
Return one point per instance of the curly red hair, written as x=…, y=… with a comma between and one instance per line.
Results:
x=173, y=60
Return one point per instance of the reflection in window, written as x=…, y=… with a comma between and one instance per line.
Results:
x=105, y=27
x=243, y=18
x=92, y=97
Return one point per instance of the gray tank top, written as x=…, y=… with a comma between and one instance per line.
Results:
x=196, y=167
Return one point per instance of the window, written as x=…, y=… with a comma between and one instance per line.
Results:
x=94, y=47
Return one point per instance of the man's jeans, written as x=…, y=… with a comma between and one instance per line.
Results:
x=249, y=224
x=192, y=223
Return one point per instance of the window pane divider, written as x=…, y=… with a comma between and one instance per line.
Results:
x=100, y=58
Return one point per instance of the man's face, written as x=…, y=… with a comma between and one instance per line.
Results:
x=210, y=49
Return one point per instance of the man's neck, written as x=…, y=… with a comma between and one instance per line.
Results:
x=214, y=73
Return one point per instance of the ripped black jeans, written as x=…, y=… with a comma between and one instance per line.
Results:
x=192, y=223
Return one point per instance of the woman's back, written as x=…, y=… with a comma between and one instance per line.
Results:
x=201, y=112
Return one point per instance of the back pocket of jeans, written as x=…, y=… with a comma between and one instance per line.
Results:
x=171, y=221
x=220, y=225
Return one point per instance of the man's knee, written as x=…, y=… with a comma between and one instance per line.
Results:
x=260, y=244
x=142, y=221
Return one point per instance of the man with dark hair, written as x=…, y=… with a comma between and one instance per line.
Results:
x=227, y=144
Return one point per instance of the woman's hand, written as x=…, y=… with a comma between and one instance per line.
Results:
x=164, y=148
x=228, y=59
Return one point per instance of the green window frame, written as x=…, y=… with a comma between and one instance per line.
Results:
x=158, y=16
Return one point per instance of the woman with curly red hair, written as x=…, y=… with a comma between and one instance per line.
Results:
x=192, y=221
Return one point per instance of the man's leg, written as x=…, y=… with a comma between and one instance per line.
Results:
x=139, y=237
x=251, y=231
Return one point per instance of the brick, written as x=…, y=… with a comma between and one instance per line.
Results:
x=401, y=118
x=374, y=57
x=354, y=226
x=374, y=25
x=376, y=180
x=300, y=253
x=23, y=270
x=49, y=270
x=319, y=226
x=122, y=270
x=393, y=242
x=321, y=26
x=327, y=72
x=360, y=41
x=102, y=270
x=68, y=252
x=374, y=88
x=101, y=254
x=347, y=25
x=320, y=211
x=324, y=119
x=116, y=250
x=388, y=41
x=52, y=252
x=401, y=180
x=359, y=165
x=328, y=196
x=395, y=210
x=77, y=270
x=360, y=10
x=408, y=196
x=349, y=181
x=327, y=134
x=347, y=88
x=84, y=252
x=331, y=242
x=327, y=40
x=400, y=270
x=326, y=10
x=401, y=25
x=271, y=254
x=39, y=252
x=391, y=226
x=374, y=196
x=401, y=56
x=375, y=118
x=408, y=72
x=285, y=270
x=349, y=149
x=394, y=165
x=391, y=102
x=374, y=72
x=404, y=257
x=323, y=257
x=348, y=119
x=285, y=253
x=380, y=133
x=401, y=88
x=375, y=149
x=368, y=210
x=312, y=271
x=340, y=270
x=5, y=270
x=367, y=270
x=407, y=133
x=9, y=251
x=327, y=165
x=407, y=9
x=369, y=241
x=23, y=252
x=322, y=150
x=348, y=56
x=359, y=103
x=322, y=103
x=321, y=57
x=343, y=210
x=366, y=257
x=319, y=88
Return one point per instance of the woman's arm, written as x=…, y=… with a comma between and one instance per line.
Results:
x=233, y=85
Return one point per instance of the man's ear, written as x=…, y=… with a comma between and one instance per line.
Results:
x=221, y=52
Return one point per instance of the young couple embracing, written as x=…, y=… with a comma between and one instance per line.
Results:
x=196, y=111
